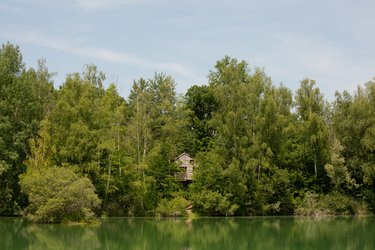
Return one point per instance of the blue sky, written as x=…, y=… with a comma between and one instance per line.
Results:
x=332, y=42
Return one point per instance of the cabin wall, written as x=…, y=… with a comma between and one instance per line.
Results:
x=185, y=162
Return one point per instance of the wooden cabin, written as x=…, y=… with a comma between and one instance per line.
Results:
x=186, y=162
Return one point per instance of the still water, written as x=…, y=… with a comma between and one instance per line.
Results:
x=201, y=233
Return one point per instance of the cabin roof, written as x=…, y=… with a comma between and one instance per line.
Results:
x=184, y=154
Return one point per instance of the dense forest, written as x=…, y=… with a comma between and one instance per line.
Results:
x=82, y=150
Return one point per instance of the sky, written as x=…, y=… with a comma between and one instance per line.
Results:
x=330, y=41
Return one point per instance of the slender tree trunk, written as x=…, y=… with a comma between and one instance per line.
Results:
x=108, y=179
x=142, y=204
x=138, y=136
x=258, y=171
x=144, y=147
x=118, y=148
x=315, y=168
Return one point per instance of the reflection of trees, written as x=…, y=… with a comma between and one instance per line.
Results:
x=212, y=233
x=48, y=236
x=336, y=233
x=10, y=234
x=305, y=233
x=201, y=233
x=145, y=233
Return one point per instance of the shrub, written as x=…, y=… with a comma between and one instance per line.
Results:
x=213, y=203
x=335, y=203
x=175, y=207
x=57, y=194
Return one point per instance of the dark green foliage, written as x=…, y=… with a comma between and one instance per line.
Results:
x=218, y=190
x=26, y=96
x=354, y=126
x=201, y=103
x=258, y=149
x=274, y=194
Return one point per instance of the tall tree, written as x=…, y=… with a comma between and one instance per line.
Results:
x=85, y=130
x=354, y=127
x=236, y=138
x=312, y=129
x=158, y=131
x=26, y=96
x=200, y=103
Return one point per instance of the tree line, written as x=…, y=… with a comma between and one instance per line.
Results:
x=83, y=150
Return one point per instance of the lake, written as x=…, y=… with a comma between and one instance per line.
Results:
x=201, y=233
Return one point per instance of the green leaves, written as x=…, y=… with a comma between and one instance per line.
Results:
x=354, y=123
x=57, y=194
x=337, y=170
x=172, y=208
x=313, y=134
x=258, y=149
x=25, y=98
x=214, y=203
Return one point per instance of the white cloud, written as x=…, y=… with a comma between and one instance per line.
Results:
x=62, y=44
x=104, y=4
x=290, y=57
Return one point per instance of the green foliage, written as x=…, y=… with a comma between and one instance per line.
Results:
x=156, y=134
x=58, y=194
x=274, y=194
x=249, y=134
x=85, y=129
x=335, y=203
x=313, y=134
x=213, y=203
x=218, y=190
x=174, y=207
x=353, y=124
x=337, y=171
x=258, y=149
x=26, y=96
x=201, y=103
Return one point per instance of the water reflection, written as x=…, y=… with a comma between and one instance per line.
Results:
x=202, y=233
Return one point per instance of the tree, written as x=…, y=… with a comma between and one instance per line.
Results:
x=200, y=103
x=140, y=134
x=26, y=96
x=337, y=170
x=236, y=142
x=312, y=129
x=57, y=194
x=158, y=132
x=209, y=191
x=353, y=125
x=257, y=150
x=86, y=130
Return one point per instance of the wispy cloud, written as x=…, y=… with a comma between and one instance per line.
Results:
x=10, y=8
x=301, y=55
x=62, y=44
x=93, y=5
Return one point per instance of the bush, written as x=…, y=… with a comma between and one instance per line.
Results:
x=213, y=203
x=175, y=207
x=335, y=203
x=58, y=194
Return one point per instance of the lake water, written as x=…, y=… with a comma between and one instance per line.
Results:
x=202, y=233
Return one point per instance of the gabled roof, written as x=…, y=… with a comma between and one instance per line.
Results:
x=184, y=154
